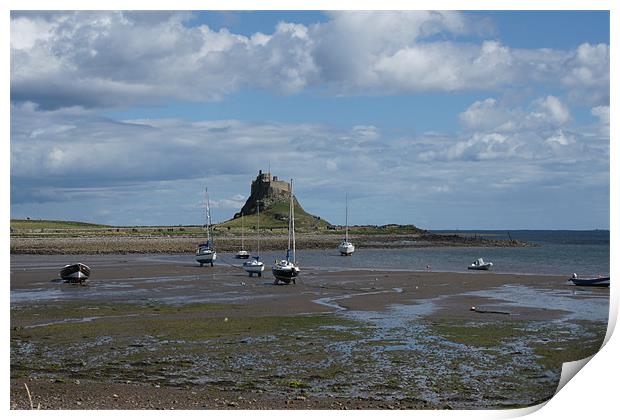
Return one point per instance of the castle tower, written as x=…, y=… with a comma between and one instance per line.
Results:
x=267, y=190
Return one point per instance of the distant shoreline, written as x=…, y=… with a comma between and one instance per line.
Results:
x=62, y=243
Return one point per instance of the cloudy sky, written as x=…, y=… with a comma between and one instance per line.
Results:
x=496, y=120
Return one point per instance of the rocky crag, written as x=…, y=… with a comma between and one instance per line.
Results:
x=266, y=190
x=272, y=194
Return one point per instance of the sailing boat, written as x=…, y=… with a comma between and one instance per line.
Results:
x=286, y=270
x=255, y=265
x=205, y=254
x=242, y=254
x=346, y=247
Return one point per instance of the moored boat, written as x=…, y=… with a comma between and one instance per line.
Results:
x=594, y=281
x=242, y=254
x=346, y=247
x=479, y=264
x=255, y=265
x=205, y=254
x=286, y=271
x=75, y=273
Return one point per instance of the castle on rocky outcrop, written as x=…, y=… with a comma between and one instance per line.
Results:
x=267, y=190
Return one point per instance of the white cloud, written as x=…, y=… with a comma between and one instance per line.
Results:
x=552, y=110
x=103, y=59
x=25, y=32
x=559, y=138
x=541, y=131
x=489, y=114
x=49, y=146
x=95, y=161
x=233, y=203
x=589, y=66
x=486, y=114
x=602, y=113
x=366, y=132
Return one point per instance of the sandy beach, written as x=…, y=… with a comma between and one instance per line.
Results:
x=149, y=332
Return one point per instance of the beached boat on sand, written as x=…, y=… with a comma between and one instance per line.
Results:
x=594, y=281
x=242, y=254
x=75, y=273
x=479, y=264
x=205, y=254
x=346, y=247
x=287, y=270
x=255, y=265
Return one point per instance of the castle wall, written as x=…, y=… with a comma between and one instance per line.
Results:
x=267, y=189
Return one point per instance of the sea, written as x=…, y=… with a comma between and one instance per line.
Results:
x=556, y=252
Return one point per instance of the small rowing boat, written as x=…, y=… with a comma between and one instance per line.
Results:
x=596, y=281
x=75, y=273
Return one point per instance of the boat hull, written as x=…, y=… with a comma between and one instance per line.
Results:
x=242, y=255
x=346, y=249
x=206, y=257
x=484, y=267
x=596, y=282
x=285, y=275
x=254, y=268
x=75, y=273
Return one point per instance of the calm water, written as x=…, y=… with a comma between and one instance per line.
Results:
x=557, y=252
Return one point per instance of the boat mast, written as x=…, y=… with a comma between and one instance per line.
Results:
x=208, y=218
x=293, y=223
x=346, y=218
x=288, y=247
x=258, y=230
x=242, y=247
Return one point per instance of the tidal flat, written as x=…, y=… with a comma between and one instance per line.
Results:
x=147, y=333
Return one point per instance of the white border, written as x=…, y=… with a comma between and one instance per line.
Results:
x=591, y=395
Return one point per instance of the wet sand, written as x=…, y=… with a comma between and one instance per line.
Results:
x=149, y=332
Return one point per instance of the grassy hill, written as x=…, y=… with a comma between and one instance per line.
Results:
x=52, y=224
x=276, y=217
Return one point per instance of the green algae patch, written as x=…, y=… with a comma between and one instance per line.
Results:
x=567, y=349
x=189, y=323
x=75, y=310
x=168, y=343
x=479, y=334
x=297, y=384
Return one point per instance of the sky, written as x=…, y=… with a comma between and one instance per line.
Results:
x=445, y=120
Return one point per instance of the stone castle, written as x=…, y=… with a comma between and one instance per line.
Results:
x=267, y=190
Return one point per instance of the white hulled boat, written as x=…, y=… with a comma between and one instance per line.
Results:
x=286, y=271
x=346, y=247
x=255, y=265
x=242, y=254
x=205, y=254
x=75, y=273
x=479, y=264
